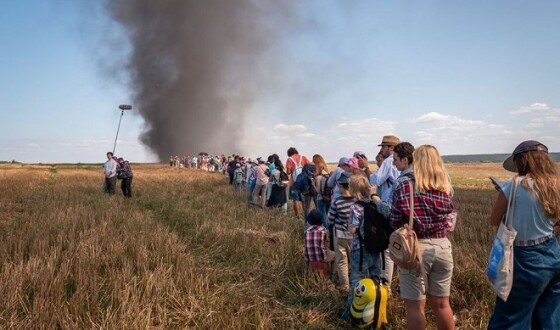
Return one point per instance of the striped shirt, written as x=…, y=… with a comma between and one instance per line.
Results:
x=315, y=243
x=340, y=214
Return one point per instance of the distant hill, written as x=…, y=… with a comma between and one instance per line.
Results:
x=487, y=158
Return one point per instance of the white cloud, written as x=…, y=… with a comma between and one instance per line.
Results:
x=367, y=124
x=307, y=135
x=535, y=107
x=290, y=128
x=448, y=132
x=447, y=121
x=552, y=118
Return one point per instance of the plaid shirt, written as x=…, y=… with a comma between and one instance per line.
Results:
x=430, y=211
x=315, y=243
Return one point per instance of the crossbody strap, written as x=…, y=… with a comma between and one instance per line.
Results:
x=411, y=217
x=511, y=204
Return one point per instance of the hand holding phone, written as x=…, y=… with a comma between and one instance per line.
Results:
x=497, y=183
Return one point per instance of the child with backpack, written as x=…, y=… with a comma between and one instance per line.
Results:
x=371, y=236
x=340, y=215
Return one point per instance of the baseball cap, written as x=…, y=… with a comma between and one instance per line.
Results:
x=343, y=178
x=359, y=154
x=314, y=218
x=343, y=161
x=525, y=146
x=353, y=163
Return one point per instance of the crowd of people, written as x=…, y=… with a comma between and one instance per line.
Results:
x=202, y=161
x=334, y=206
x=335, y=203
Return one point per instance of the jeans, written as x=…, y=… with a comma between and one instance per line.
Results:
x=324, y=209
x=126, y=187
x=250, y=187
x=371, y=266
x=534, y=301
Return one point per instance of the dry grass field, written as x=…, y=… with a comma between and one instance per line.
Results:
x=185, y=252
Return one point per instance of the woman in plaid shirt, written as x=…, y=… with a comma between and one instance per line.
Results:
x=432, y=204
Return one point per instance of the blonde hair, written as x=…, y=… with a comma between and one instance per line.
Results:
x=358, y=186
x=320, y=164
x=538, y=165
x=429, y=171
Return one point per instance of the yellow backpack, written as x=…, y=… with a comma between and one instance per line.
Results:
x=369, y=305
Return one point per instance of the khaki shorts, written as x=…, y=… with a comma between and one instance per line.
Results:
x=438, y=262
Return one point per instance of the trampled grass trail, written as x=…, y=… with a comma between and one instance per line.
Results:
x=185, y=252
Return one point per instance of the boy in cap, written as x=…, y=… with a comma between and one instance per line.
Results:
x=340, y=214
x=316, y=241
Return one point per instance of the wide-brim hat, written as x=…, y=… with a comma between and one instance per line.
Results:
x=529, y=145
x=389, y=140
x=314, y=218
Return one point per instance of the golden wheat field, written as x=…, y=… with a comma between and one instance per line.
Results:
x=185, y=252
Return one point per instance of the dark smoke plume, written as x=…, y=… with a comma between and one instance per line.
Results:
x=196, y=66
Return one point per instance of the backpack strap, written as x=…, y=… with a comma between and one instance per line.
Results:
x=411, y=206
x=360, y=238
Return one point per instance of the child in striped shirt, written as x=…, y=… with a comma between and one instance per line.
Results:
x=340, y=214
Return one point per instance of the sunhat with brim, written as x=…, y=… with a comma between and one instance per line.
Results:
x=314, y=218
x=389, y=140
x=525, y=146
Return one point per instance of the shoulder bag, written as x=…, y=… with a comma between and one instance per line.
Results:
x=500, y=262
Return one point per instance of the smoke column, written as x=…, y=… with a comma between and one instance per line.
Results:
x=196, y=67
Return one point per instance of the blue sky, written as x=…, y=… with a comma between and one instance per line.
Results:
x=468, y=77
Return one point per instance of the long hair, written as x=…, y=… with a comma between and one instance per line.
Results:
x=359, y=186
x=429, y=171
x=320, y=164
x=538, y=165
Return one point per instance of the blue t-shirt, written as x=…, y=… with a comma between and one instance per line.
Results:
x=529, y=218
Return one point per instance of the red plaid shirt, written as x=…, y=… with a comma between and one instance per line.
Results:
x=430, y=210
x=315, y=243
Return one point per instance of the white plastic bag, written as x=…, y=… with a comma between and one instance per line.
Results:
x=500, y=262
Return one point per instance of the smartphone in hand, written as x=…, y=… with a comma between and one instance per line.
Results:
x=497, y=183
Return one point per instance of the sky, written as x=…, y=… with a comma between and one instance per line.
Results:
x=470, y=77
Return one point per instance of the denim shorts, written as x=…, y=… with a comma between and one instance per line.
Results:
x=295, y=195
x=534, y=301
